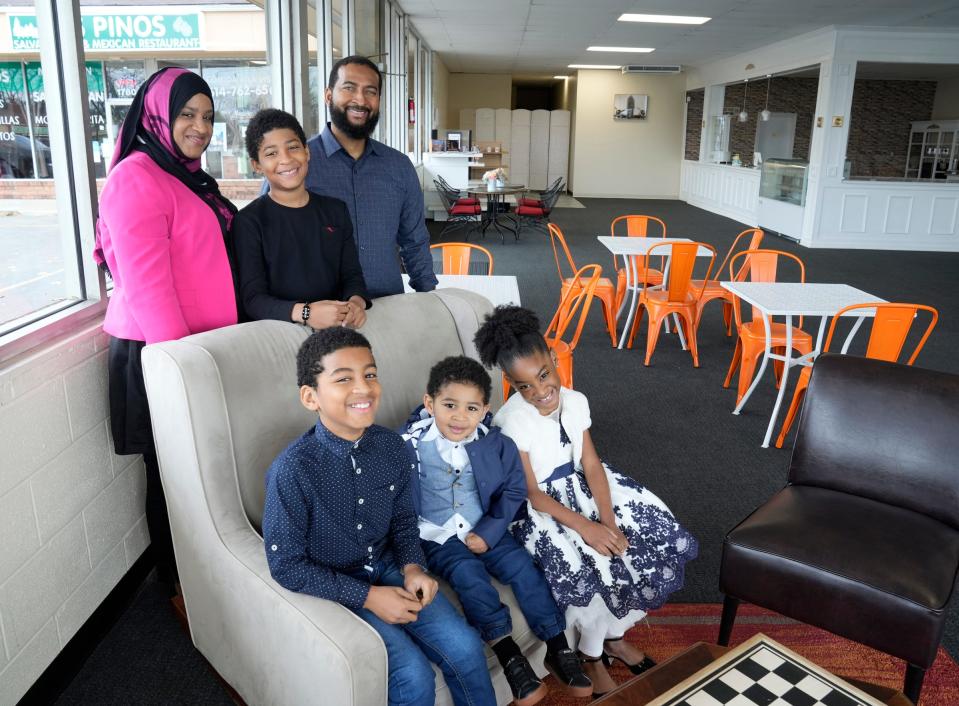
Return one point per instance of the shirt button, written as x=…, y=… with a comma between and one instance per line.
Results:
x=369, y=549
x=359, y=526
x=273, y=547
x=360, y=501
x=358, y=471
x=391, y=487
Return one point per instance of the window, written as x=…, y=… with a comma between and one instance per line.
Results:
x=240, y=88
x=412, y=83
x=367, y=28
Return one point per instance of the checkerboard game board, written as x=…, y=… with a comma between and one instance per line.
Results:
x=761, y=672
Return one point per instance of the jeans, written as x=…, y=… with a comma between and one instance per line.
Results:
x=438, y=635
x=509, y=563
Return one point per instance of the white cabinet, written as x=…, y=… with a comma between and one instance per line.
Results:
x=519, y=148
x=538, y=149
x=558, y=146
x=933, y=147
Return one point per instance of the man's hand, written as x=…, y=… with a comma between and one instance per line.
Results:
x=419, y=583
x=392, y=604
x=356, y=312
x=603, y=539
x=324, y=314
x=475, y=543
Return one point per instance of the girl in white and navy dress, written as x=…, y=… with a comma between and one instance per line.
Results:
x=611, y=550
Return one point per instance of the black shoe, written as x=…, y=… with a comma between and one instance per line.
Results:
x=565, y=666
x=639, y=668
x=526, y=687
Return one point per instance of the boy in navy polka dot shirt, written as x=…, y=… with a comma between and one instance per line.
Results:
x=339, y=524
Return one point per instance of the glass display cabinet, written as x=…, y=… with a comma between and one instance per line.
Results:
x=784, y=180
x=782, y=196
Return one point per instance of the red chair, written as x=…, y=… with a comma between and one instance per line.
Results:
x=556, y=186
x=535, y=216
x=458, y=215
x=708, y=290
x=890, y=327
x=676, y=297
x=456, y=257
x=455, y=194
x=751, y=343
x=575, y=301
x=636, y=226
x=604, y=287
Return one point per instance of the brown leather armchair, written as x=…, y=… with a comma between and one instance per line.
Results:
x=864, y=539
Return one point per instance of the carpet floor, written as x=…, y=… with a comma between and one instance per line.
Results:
x=679, y=625
x=668, y=425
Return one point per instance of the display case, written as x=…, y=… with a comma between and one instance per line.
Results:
x=933, y=148
x=784, y=180
x=782, y=196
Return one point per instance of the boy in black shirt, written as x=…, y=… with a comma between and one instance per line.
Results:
x=295, y=254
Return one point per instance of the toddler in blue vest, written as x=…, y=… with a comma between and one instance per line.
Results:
x=468, y=487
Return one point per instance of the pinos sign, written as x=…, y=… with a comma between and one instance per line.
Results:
x=123, y=32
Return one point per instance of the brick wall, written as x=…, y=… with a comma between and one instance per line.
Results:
x=879, y=124
x=786, y=95
x=694, y=122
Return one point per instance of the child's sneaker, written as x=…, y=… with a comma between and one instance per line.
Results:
x=565, y=666
x=526, y=687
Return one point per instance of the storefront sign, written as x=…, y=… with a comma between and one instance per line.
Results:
x=143, y=32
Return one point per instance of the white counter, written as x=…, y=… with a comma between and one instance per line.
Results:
x=722, y=188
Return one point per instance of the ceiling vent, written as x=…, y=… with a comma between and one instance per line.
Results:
x=649, y=69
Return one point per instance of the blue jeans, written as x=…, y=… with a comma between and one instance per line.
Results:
x=509, y=563
x=438, y=635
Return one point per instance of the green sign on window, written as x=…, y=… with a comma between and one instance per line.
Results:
x=143, y=32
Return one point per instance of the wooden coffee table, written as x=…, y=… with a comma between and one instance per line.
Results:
x=659, y=680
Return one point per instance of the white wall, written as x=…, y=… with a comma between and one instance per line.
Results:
x=946, y=105
x=71, y=511
x=631, y=159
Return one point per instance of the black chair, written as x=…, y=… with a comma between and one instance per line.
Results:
x=864, y=539
x=457, y=215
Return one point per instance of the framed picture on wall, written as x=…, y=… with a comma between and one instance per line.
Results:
x=630, y=106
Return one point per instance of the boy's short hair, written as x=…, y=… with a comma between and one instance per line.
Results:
x=353, y=59
x=266, y=120
x=459, y=368
x=309, y=359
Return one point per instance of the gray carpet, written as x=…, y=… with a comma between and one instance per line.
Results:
x=669, y=425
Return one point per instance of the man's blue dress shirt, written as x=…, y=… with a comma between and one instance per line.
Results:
x=383, y=194
x=336, y=507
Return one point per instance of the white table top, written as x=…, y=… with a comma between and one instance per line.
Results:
x=623, y=245
x=499, y=289
x=794, y=298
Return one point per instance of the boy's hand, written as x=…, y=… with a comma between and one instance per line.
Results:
x=356, y=312
x=475, y=543
x=324, y=314
x=419, y=583
x=603, y=539
x=392, y=604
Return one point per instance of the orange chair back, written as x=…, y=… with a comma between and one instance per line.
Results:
x=639, y=226
x=576, y=302
x=890, y=327
x=761, y=266
x=755, y=240
x=456, y=257
x=558, y=242
x=682, y=261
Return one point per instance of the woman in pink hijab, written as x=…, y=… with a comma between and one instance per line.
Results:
x=161, y=235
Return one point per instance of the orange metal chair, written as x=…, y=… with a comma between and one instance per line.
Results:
x=751, y=343
x=890, y=327
x=456, y=257
x=575, y=300
x=708, y=290
x=676, y=296
x=636, y=226
x=605, y=291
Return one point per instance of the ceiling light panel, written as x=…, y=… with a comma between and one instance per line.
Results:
x=664, y=19
x=593, y=66
x=634, y=50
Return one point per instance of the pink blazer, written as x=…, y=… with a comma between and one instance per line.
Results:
x=166, y=253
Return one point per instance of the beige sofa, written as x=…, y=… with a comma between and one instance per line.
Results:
x=224, y=404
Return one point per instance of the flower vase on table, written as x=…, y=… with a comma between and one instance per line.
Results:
x=495, y=179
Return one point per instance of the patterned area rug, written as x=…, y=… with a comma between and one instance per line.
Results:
x=675, y=627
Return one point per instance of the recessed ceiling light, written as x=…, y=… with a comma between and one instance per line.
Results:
x=637, y=50
x=594, y=66
x=664, y=19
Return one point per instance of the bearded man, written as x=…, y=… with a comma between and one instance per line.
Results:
x=377, y=183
